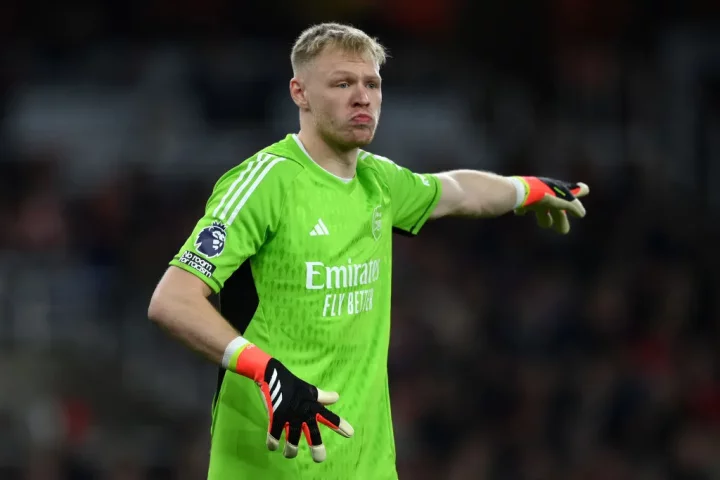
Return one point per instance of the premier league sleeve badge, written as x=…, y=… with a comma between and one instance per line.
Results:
x=211, y=240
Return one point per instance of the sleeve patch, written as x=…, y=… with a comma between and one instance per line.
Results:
x=210, y=240
x=197, y=263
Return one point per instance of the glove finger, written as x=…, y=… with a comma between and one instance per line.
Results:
x=314, y=439
x=327, y=398
x=575, y=207
x=336, y=423
x=292, y=439
x=272, y=442
x=273, y=436
x=561, y=224
x=578, y=209
x=580, y=190
x=544, y=220
x=318, y=453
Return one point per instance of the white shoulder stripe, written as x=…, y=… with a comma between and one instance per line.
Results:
x=239, y=179
x=266, y=167
x=387, y=160
x=251, y=172
x=364, y=154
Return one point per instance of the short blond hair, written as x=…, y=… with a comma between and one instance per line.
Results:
x=315, y=39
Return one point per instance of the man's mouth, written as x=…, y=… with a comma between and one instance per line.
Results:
x=362, y=118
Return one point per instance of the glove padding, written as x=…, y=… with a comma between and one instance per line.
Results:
x=295, y=406
x=551, y=199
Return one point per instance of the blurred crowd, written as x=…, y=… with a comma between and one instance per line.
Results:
x=516, y=354
x=588, y=357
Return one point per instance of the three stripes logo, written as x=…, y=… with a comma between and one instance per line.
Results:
x=319, y=229
x=242, y=188
x=275, y=393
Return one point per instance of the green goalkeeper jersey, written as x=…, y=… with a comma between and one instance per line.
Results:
x=320, y=252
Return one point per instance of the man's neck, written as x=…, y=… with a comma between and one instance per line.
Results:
x=340, y=163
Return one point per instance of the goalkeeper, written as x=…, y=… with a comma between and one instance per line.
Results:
x=313, y=215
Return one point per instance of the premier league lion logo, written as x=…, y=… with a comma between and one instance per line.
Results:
x=211, y=240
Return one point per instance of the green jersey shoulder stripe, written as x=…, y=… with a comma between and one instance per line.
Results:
x=243, y=172
x=372, y=156
x=264, y=171
x=247, y=181
x=363, y=155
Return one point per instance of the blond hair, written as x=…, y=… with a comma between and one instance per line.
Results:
x=315, y=39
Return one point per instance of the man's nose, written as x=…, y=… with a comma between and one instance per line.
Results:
x=361, y=96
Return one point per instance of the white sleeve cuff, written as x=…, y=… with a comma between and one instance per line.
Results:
x=520, y=190
x=232, y=347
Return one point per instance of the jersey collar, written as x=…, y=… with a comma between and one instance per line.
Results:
x=299, y=148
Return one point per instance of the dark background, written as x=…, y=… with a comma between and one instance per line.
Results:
x=516, y=354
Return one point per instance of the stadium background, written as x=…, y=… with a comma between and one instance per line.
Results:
x=516, y=354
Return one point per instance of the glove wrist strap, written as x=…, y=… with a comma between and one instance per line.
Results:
x=534, y=190
x=522, y=190
x=245, y=358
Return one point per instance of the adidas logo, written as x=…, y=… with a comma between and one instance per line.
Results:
x=275, y=387
x=320, y=229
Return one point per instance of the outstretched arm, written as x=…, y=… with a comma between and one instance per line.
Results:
x=484, y=194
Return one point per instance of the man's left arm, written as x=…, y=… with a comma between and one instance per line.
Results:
x=484, y=194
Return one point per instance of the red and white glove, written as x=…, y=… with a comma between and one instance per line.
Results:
x=292, y=404
x=550, y=200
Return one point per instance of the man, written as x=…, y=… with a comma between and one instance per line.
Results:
x=315, y=214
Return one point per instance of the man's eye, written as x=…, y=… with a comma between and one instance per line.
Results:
x=343, y=84
x=372, y=85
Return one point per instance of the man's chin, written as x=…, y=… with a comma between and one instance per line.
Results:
x=361, y=137
x=354, y=138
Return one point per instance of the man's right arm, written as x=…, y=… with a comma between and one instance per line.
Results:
x=244, y=209
x=180, y=306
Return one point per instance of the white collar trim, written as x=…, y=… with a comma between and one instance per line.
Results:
x=302, y=147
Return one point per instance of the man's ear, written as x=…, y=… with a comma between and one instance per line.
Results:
x=297, y=92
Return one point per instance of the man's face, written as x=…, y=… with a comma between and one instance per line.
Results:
x=342, y=91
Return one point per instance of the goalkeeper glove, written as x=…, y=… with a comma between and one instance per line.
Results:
x=292, y=404
x=550, y=199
